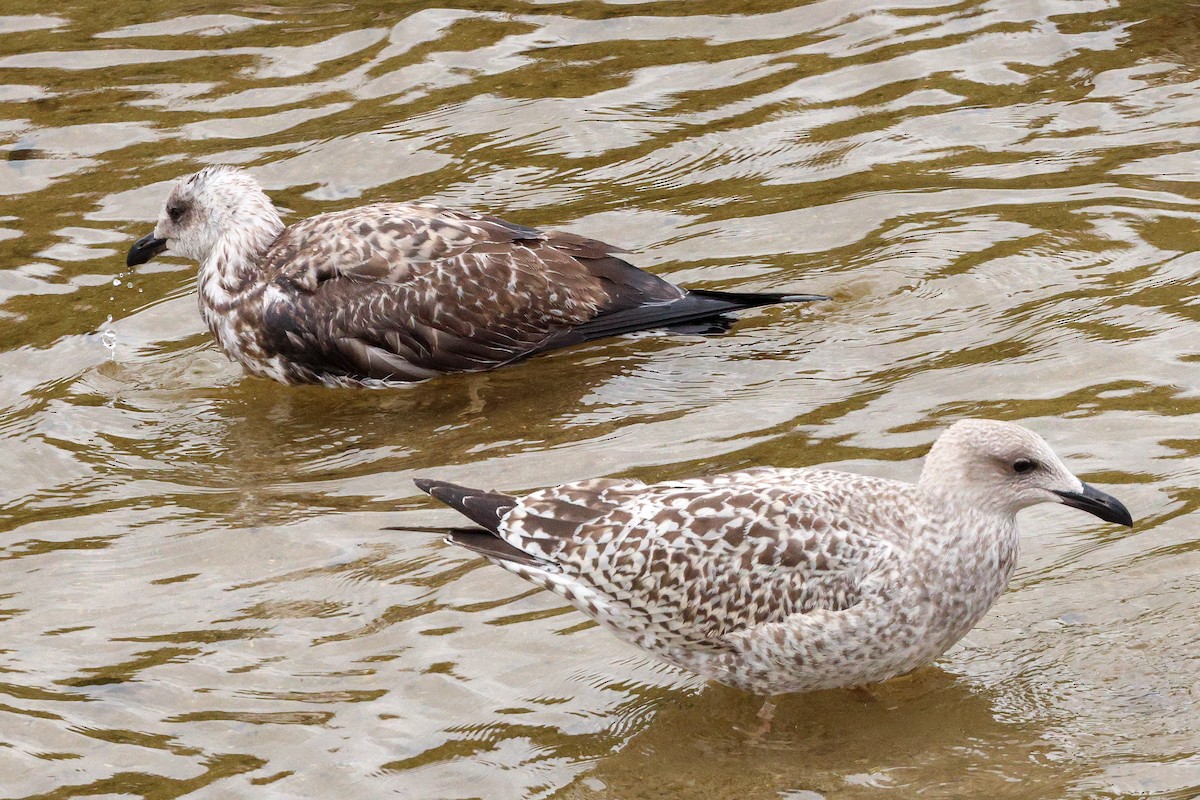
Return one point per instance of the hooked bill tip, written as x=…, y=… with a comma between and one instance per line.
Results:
x=1098, y=503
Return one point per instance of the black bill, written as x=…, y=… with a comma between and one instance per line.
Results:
x=144, y=249
x=1094, y=501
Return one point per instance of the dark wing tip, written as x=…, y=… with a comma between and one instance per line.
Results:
x=477, y=540
x=426, y=485
x=490, y=546
x=451, y=494
x=481, y=507
x=738, y=300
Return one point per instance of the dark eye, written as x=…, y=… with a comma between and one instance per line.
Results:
x=175, y=212
x=1023, y=465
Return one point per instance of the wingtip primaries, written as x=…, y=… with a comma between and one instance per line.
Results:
x=481, y=507
x=427, y=485
x=739, y=300
x=491, y=546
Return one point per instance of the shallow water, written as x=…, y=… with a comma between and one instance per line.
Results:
x=197, y=595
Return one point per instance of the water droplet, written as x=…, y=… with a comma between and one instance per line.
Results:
x=116, y=281
x=108, y=337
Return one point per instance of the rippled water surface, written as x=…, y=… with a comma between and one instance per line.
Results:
x=197, y=596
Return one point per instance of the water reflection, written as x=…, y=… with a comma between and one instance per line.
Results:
x=931, y=734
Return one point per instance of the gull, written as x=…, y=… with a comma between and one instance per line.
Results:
x=786, y=580
x=393, y=292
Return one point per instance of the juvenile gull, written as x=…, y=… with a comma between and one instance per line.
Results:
x=392, y=292
x=786, y=580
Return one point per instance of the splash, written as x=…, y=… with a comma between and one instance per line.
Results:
x=108, y=337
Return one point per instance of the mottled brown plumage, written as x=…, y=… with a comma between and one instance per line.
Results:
x=397, y=292
x=781, y=580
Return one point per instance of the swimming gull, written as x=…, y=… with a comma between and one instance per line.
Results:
x=392, y=292
x=786, y=580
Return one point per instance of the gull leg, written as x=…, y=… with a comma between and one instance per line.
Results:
x=866, y=693
x=766, y=716
x=892, y=691
x=476, y=403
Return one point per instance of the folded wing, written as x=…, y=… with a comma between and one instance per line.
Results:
x=404, y=292
x=693, y=562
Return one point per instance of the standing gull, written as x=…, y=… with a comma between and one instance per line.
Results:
x=786, y=580
x=391, y=292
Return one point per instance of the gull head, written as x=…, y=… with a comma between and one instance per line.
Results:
x=1002, y=467
x=216, y=206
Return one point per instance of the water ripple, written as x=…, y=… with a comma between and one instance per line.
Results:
x=199, y=596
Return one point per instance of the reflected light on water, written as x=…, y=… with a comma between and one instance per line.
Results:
x=198, y=597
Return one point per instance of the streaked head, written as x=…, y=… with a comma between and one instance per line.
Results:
x=1004, y=467
x=202, y=209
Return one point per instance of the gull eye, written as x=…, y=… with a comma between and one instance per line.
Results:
x=1024, y=465
x=175, y=212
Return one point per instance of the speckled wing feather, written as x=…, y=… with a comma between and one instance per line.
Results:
x=692, y=562
x=397, y=291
